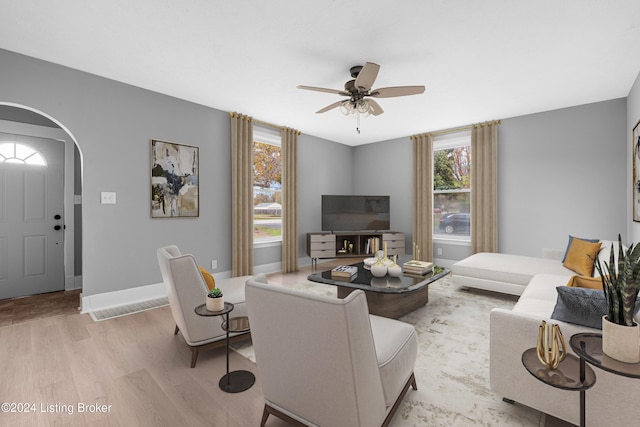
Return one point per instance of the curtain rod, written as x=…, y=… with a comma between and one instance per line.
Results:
x=260, y=122
x=458, y=129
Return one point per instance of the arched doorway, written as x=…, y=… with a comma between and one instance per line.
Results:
x=30, y=127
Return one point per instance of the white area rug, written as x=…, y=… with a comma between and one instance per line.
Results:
x=452, y=370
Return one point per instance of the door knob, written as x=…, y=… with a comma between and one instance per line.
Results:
x=57, y=227
x=57, y=217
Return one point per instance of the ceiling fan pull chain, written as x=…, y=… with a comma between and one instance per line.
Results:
x=358, y=126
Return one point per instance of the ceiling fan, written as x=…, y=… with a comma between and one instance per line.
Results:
x=359, y=93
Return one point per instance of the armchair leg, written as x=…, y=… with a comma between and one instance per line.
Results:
x=176, y=331
x=411, y=382
x=265, y=415
x=269, y=410
x=194, y=356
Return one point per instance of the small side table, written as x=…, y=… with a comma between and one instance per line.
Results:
x=571, y=374
x=589, y=347
x=236, y=381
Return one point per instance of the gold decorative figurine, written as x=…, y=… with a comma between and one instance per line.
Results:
x=551, y=348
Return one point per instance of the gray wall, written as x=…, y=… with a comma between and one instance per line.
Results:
x=386, y=168
x=324, y=167
x=560, y=172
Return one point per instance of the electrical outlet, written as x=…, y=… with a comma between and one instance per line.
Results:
x=214, y=264
x=439, y=251
x=108, y=197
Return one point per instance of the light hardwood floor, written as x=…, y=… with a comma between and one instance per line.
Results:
x=133, y=367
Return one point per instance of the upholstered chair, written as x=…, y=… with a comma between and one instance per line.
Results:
x=325, y=361
x=187, y=289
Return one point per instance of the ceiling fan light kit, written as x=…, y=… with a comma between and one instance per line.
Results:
x=359, y=90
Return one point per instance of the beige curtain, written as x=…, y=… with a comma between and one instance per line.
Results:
x=484, y=187
x=241, y=195
x=289, y=144
x=423, y=197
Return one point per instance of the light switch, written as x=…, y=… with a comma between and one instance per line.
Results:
x=77, y=199
x=108, y=197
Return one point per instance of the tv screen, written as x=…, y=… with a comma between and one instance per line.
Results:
x=355, y=213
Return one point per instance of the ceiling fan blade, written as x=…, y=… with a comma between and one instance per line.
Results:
x=322, y=89
x=376, y=108
x=367, y=76
x=329, y=107
x=390, y=92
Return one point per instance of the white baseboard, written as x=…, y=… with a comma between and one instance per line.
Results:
x=124, y=297
x=149, y=292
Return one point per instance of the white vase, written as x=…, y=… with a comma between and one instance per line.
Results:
x=379, y=270
x=621, y=342
x=394, y=269
x=215, y=304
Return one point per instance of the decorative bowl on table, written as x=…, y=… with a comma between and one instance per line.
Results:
x=368, y=262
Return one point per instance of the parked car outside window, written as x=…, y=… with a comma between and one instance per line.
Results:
x=455, y=223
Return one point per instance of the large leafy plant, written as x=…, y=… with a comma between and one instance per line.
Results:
x=621, y=283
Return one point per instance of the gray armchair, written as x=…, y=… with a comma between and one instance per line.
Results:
x=187, y=290
x=325, y=361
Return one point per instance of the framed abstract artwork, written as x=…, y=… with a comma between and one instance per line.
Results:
x=175, y=173
x=635, y=142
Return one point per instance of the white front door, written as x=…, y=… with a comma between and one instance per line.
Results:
x=31, y=215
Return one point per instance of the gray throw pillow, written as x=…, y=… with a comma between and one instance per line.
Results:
x=581, y=306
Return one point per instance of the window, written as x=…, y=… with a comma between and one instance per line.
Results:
x=267, y=186
x=452, y=187
x=11, y=152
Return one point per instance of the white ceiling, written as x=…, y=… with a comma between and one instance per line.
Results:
x=480, y=60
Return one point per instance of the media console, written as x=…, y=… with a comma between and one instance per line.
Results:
x=353, y=244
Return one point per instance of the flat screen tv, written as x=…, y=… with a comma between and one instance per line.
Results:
x=355, y=213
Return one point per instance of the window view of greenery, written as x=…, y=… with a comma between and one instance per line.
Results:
x=452, y=192
x=267, y=192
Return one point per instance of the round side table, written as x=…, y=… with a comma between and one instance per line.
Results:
x=571, y=374
x=236, y=381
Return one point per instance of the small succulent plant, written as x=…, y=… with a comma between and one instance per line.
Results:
x=215, y=293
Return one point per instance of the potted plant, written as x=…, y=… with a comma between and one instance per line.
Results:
x=215, y=300
x=621, y=283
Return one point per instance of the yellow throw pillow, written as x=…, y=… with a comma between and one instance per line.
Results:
x=581, y=255
x=208, y=278
x=585, y=282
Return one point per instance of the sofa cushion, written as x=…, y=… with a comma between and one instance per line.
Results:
x=585, y=282
x=581, y=255
x=539, y=297
x=581, y=306
x=516, y=269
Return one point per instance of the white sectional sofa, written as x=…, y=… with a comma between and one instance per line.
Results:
x=613, y=400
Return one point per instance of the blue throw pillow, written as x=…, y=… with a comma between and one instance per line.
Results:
x=582, y=306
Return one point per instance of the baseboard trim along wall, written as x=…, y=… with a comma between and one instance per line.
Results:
x=124, y=297
x=107, y=300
